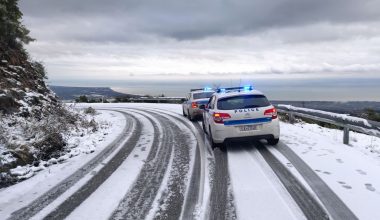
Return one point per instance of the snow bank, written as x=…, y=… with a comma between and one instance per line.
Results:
x=352, y=172
x=25, y=192
x=81, y=140
x=366, y=144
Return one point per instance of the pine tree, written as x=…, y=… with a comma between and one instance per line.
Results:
x=13, y=34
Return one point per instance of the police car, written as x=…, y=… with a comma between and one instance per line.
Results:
x=240, y=112
x=195, y=102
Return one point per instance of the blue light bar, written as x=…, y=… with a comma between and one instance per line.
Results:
x=207, y=89
x=248, y=88
x=230, y=89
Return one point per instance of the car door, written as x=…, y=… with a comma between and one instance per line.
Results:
x=186, y=103
x=209, y=111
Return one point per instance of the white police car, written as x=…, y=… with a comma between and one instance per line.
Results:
x=240, y=112
x=195, y=102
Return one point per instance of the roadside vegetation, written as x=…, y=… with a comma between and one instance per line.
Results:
x=34, y=125
x=371, y=114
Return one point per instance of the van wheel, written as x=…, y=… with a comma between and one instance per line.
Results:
x=273, y=141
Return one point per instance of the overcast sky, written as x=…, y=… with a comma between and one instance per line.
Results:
x=123, y=39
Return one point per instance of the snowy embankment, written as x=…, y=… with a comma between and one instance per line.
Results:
x=352, y=172
x=79, y=141
x=83, y=145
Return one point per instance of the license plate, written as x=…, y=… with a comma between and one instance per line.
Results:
x=248, y=127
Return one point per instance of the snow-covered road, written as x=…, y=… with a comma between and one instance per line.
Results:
x=161, y=166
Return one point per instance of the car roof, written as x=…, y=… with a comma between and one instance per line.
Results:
x=202, y=91
x=237, y=93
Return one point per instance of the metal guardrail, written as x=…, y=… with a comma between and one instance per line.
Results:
x=367, y=127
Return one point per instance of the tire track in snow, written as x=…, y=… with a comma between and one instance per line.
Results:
x=219, y=203
x=219, y=190
x=179, y=175
x=193, y=198
x=334, y=205
x=309, y=206
x=194, y=195
x=138, y=201
x=45, y=199
x=65, y=208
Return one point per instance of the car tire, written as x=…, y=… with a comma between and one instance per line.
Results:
x=273, y=141
x=212, y=143
x=203, y=126
x=189, y=116
x=183, y=112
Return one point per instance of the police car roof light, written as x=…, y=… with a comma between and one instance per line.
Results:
x=230, y=89
x=248, y=88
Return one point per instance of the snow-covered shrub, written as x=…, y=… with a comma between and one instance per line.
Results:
x=40, y=136
x=90, y=110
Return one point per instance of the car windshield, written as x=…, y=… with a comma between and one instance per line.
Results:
x=202, y=95
x=241, y=102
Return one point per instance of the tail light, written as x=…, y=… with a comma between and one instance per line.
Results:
x=194, y=105
x=219, y=117
x=271, y=112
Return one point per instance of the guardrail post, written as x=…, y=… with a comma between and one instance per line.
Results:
x=346, y=135
x=291, y=118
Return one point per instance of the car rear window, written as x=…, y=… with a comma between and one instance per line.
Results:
x=202, y=95
x=241, y=102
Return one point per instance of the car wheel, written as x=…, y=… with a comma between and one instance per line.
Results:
x=183, y=112
x=203, y=126
x=212, y=143
x=189, y=116
x=273, y=141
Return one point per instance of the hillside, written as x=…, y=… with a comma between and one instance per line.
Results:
x=34, y=125
x=71, y=93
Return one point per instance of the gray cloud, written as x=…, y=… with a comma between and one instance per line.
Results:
x=134, y=20
x=122, y=39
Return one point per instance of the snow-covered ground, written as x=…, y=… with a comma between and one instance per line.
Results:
x=255, y=185
x=81, y=141
x=104, y=200
x=5, y=157
x=351, y=171
x=84, y=148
